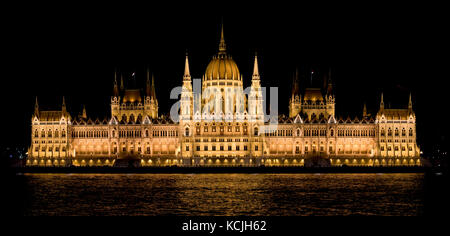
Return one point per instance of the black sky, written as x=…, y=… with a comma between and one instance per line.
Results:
x=73, y=51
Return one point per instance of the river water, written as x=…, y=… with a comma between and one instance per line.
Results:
x=223, y=194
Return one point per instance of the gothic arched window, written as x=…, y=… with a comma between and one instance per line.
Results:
x=256, y=133
x=187, y=131
x=396, y=132
x=403, y=132
x=389, y=132
x=410, y=132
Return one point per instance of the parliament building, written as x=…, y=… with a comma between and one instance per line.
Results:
x=222, y=125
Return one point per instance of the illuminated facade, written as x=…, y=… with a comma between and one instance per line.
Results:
x=223, y=126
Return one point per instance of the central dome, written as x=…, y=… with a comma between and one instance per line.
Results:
x=222, y=67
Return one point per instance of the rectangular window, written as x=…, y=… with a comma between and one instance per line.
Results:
x=245, y=147
x=187, y=148
x=256, y=147
x=205, y=148
x=229, y=148
x=198, y=148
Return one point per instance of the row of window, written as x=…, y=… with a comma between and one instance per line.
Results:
x=214, y=129
x=49, y=133
x=221, y=140
x=50, y=149
x=222, y=148
x=124, y=133
x=396, y=140
x=396, y=148
x=355, y=133
x=396, y=132
x=90, y=134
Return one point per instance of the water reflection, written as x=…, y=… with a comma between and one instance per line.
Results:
x=224, y=194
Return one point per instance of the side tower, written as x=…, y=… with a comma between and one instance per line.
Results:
x=186, y=115
x=330, y=99
x=50, y=137
x=295, y=101
x=255, y=99
x=115, y=99
x=256, y=113
x=150, y=102
x=397, y=135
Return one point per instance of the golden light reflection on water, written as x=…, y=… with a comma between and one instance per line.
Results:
x=225, y=194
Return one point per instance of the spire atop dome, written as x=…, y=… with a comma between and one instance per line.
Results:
x=222, y=45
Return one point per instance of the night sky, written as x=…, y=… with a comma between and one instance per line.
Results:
x=73, y=51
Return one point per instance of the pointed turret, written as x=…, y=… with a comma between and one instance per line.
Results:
x=36, y=108
x=121, y=82
x=295, y=84
x=295, y=102
x=364, y=110
x=84, y=114
x=63, y=108
x=256, y=69
x=330, y=84
x=153, y=93
x=410, y=102
x=382, y=103
x=222, y=45
x=116, y=87
x=187, y=74
x=148, y=87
